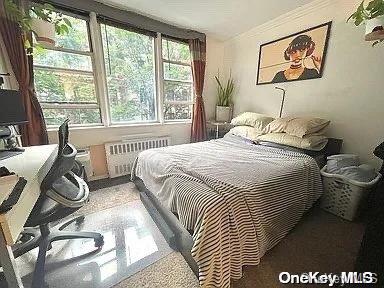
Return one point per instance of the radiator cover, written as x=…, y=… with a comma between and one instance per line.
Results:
x=121, y=155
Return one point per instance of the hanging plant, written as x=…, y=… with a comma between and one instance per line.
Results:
x=373, y=16
x=41, y=20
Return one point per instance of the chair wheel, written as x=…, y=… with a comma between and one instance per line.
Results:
x=80, y=220
x=99, y=242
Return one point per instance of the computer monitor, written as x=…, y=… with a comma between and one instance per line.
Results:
x=11, y=108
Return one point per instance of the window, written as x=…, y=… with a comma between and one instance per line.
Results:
x=130, y=74
x=178, y=86
x=64, y=78
x=103, y=74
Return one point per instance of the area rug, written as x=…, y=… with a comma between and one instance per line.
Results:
x=171, y=271
x=110, y=197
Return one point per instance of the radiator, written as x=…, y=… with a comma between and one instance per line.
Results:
x=121, y=155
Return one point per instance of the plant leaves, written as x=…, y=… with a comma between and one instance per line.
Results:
x=68, y=22
x=375, y=8
x=27, y=44
x=64, y=29
x=224, y=94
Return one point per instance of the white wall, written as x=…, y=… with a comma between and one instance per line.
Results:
x=215, y=63
x=350, y=93
x=84, y=137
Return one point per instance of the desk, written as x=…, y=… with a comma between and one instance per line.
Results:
x=33, y=164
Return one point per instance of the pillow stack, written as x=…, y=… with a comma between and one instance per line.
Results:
x=250, y=125
x=301, y=132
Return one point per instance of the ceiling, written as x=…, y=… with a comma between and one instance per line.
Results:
x=221, y=19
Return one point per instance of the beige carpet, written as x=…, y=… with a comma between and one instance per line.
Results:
x=171, y=271
x=320, y=242
x=110, y=197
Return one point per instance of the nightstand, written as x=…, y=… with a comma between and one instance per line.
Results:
x=217, y=129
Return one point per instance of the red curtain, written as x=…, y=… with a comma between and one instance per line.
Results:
x=199, y=128
x=34, y=132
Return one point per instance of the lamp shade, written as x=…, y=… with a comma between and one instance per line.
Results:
x=374, y=29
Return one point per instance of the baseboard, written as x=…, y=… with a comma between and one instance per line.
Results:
x=107, y=182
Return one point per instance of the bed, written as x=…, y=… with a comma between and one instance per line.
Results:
x=224, y=203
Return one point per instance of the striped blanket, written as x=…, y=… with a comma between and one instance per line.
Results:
x=240, y=199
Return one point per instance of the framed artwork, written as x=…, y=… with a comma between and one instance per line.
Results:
x=299, y=56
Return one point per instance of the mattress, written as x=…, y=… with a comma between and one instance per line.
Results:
x=240, y=199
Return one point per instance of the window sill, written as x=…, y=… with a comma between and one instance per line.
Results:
x=126, y=125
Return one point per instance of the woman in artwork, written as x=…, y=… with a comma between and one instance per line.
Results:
x=300, y=48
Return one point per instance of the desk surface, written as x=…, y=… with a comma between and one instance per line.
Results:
x=33, y=164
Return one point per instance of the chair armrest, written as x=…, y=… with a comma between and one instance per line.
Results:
x=59, y=191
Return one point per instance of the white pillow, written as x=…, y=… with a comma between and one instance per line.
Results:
x=245, y=132
x=301, y=126
x=315, y=143
x=256, y=120
x=298, y=126
x=278, y=125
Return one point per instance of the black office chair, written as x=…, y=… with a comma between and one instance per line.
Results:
x=62, y=193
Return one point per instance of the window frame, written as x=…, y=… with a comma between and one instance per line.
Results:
x=90, y=53
x=96, y=54
x=163, y=80
x=101, y=59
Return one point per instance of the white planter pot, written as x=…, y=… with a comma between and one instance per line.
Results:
x=44, y=31
x=223, y=114
x=374, y=29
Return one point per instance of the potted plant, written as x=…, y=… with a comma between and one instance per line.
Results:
x=373, y=17
x=224, y=99
x=41, y=20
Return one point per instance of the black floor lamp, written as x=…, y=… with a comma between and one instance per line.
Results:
x=282, y=100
